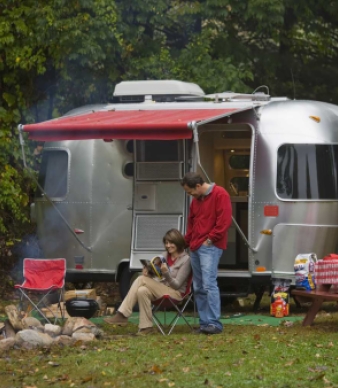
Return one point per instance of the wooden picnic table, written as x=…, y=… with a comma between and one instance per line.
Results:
x=317, y=297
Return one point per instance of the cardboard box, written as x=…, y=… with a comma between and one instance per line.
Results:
x=89, y=294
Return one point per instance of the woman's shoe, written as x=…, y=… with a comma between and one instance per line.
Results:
x=146, y=331
x=118, y=319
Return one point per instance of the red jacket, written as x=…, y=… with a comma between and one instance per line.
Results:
x=209, y=217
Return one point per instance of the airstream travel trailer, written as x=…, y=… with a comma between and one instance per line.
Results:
x=111, y=175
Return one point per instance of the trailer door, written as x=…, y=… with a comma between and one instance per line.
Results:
x=159, y=199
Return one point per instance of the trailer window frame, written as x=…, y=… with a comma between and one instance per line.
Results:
x=61, y=194
x=159, y=151
x=295, y=177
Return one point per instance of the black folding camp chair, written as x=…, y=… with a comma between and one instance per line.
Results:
x=166, y=302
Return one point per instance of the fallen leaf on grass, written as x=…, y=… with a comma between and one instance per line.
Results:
x=318, y=368
x=318, y=377
x=51, y=363
x=288, y=323
x=171, y=384
x=155, y=369
x=162, y=380
x=86, y=379
x=239, y=362
x=186, y=370
x=63, y=378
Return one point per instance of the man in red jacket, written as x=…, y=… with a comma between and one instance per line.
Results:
x=207, y=231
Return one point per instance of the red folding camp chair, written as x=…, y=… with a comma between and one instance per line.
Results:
x=42, y=277
x=166, y=302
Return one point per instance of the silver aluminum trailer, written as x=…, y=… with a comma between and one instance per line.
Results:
x=119, y=187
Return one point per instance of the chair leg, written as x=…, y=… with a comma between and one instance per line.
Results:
x=156, y=320
x=56, y=319
x=179, y=315
x=158, y=325
x=35, y=305
x=173, y=322
x=42, y=303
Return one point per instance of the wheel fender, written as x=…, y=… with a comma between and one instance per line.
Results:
x=122, y=265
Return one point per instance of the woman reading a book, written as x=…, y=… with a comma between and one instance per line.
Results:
x=167, y=274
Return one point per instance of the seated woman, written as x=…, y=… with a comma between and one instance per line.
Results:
x=145, y=289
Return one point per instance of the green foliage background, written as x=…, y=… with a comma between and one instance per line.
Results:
x=56, y=55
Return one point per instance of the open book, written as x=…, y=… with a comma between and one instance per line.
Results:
x=154, y=266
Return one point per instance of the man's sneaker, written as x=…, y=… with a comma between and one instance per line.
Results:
x=146, y=331
x=199, y=330
x=211, y=329
x=118, y=319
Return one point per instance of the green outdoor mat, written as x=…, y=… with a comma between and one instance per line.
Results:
x=256, y=320
x=231, y=319
x=235, y=319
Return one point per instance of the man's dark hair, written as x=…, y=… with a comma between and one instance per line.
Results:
x=192, y=179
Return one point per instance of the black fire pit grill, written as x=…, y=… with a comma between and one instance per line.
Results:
x=81, y=307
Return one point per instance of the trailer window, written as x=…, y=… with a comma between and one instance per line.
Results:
x=239, y=162
x=159, y=151
x=130, y=146
x=239, y=185
x=307, y=171
x=53, y=176
x=128, y=170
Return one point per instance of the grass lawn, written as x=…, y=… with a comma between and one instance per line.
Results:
x=242, y=356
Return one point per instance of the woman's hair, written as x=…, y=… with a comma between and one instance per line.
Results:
x=174, y=236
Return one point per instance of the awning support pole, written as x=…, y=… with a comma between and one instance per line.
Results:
x=240, y=231
x=196, y=142
x=22, y=143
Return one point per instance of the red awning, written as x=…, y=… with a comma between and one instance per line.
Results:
x=124, y=124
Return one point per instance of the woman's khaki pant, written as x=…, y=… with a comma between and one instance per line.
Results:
x=143, y=291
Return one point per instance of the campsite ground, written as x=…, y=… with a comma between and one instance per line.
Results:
x=252, y=354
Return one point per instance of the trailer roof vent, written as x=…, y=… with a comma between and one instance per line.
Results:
x=161, y=91
x=127, y=99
